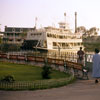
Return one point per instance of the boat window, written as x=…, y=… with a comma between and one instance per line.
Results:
x=54, y=44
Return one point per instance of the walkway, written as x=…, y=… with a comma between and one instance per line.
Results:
x=80, y=90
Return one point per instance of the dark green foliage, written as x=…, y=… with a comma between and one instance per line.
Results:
x=9, y=47
x=46, y=71
x=8, y=78
x=89, y=47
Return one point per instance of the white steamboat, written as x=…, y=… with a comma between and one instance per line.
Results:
x=51, y=39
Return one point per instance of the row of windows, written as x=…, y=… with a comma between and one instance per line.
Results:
x=60, y=36
x=17, y=40
x=11, y=34
x=17, y=29
x=13, y=30
x=65, y=44
x=11, y=39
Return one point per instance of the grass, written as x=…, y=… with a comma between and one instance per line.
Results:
x=23, y=72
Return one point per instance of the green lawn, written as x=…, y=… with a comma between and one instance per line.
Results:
x=23, y=72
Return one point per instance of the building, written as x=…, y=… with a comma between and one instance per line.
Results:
x=15, y=35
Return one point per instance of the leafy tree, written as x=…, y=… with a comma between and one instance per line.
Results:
x=81, y=29
x=93, y=31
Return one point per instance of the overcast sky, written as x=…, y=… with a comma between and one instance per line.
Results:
x=22, y=13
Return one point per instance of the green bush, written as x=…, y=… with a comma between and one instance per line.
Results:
x=46, y=71
x=8, y=78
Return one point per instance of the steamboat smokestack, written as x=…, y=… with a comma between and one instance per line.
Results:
x=75, y=22
x=65, y=17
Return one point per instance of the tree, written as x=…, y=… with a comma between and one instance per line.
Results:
x=93, y=31
x=46, y=71
x=81, y=29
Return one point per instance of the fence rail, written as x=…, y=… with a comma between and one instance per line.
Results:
x=69, y=56
x=37, y=58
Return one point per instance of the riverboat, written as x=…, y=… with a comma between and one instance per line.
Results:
x=53, y=39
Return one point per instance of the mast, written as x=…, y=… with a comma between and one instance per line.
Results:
x=35, y=22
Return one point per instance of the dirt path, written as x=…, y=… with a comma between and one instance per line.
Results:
x=80, y=90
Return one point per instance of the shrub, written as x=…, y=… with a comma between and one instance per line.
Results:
x=8, y=78
x=46, y=71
